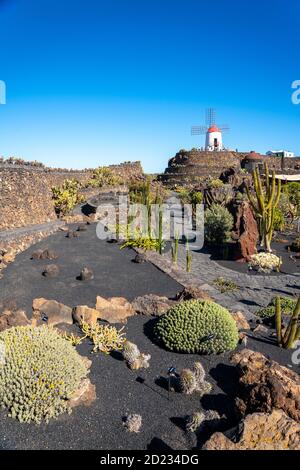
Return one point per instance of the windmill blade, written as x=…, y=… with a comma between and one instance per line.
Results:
x=224, y=128
x=210, y=114
x=198, y=130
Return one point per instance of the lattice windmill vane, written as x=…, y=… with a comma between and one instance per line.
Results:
x=213, y=132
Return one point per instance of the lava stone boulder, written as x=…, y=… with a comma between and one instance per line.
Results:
x=52, y=270
x=86, y=275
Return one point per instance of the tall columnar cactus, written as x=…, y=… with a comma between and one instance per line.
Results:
x=267, y=198
x=175, y=248
x=292, y=331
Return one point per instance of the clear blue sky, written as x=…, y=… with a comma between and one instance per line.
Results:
x=94, y=82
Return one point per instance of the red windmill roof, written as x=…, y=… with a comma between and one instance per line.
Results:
x=213, y=128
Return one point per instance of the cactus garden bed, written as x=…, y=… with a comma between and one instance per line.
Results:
x=225, y=256
x=121, y=391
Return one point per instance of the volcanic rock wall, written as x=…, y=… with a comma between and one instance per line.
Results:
x=26, y=196
x=192, y=167
x=195, y=166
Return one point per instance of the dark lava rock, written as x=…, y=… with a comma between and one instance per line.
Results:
x=49, y=254
x=264, y=385
x=44, y=254
x=86, y=275
x=52, y=270
x=36, y=254
x=245, y=231
x=152, y=305
x=140, y=258
x=81, y=228
x=192, y=293
x=72, y=234
x=8, y=319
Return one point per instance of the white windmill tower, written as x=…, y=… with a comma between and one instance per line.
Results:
x=213, y=132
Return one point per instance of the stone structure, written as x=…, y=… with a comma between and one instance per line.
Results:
x=26, y=196
x=195, y=166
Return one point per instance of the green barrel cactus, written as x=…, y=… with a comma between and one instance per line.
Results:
x=198, y=326
x=39, y=373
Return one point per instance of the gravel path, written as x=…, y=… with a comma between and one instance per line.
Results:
x=254, y=291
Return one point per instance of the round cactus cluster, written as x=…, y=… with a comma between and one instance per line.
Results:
x=198, y=326
x=39, y=373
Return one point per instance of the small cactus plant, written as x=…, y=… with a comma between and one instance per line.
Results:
x=134, y=358
x=288, y=338
x=188, y=258
x=175, y=247
x=199, y=419
x=191, y=381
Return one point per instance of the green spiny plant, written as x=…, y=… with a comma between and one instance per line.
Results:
x=142, y=242
x=104, y=337
x=279, y=220
x=218, y=224
x=267, y=198
x=197, y=326
x=188, y=258
x=191, y=381
x=175, y=247
x=195, y=421
x=133, y=357
x=288, y=338
x=160, y=231
x=225, y=285
x=66, y=197
x=287, y=304
x=39, y=374
x=103, y=176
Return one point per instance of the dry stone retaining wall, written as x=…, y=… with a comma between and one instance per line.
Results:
x=25, y=193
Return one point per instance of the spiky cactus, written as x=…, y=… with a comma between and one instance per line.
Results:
x=175, y=247
x=187, y=381
x=191, y=381
x=199, y=419
x=292, y=333
x=195, y=421
x=267, y=198
x=199, y=372
x=188, y=258
x=134, y=358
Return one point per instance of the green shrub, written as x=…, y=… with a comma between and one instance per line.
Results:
x=288, y=305
x=278, y=221
x=39, y=372
x=143, y=242
x=225, y=285
x=198, y=326
x=215, y=183
x=196, y=197
x=103, y=176
x=293, y=190
x=66, y=197
x=218, y=224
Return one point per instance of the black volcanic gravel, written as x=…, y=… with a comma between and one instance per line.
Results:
x=119, y=390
